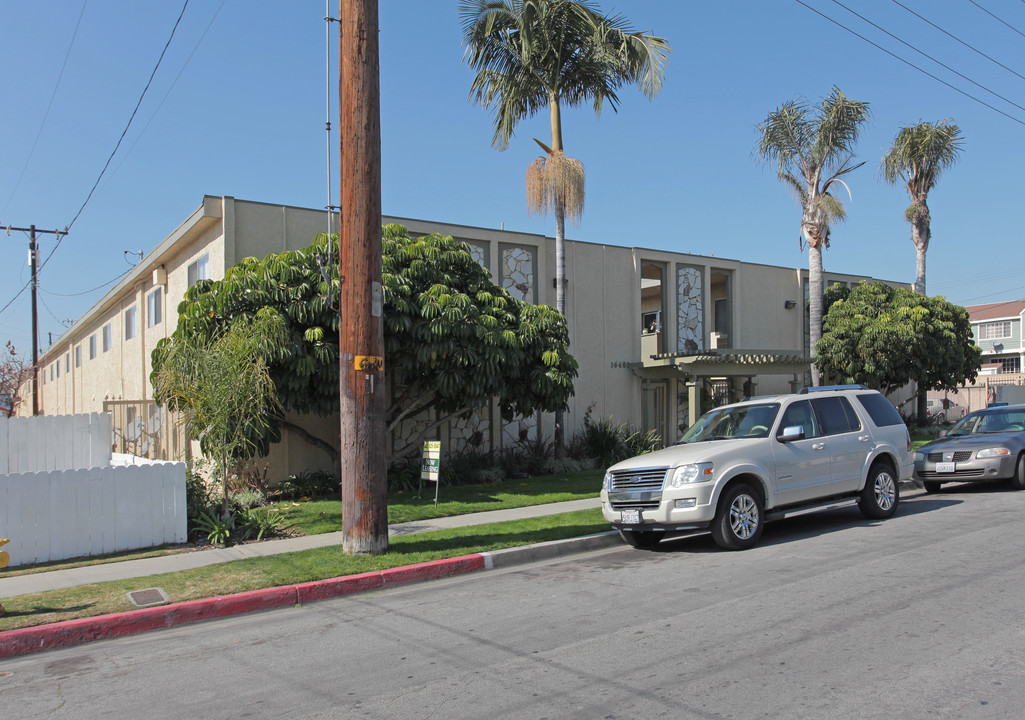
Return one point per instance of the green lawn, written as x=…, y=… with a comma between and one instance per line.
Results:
x=313, y=517
x=291, y=568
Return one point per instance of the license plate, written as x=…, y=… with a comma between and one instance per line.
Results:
x=631, y=517
x=945, y=467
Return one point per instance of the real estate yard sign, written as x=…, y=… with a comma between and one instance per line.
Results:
x=431, y=465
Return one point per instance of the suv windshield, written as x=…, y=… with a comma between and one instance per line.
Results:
x=732, y=422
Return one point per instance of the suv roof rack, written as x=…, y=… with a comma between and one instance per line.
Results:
x=825, y=388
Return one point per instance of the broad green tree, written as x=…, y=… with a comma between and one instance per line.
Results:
x=813, y=148
x=453, y=339
x=886, y=337
x=919, y=154
x=534, y=54
x=220, y=385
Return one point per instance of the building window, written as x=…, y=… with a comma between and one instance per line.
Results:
x=199, y=270
x=995, y=330
x=92, y=346
x=78, y=356
x=1010, y=365
x=67, y=362
x=154, y=308
x=130, y=323
x=107, y=337
x=58, y=364
x=721, y=295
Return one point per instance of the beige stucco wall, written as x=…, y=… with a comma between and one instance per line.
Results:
x=604, y=307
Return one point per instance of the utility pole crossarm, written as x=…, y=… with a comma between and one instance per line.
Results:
x=34, y=264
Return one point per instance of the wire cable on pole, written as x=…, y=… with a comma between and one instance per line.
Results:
x=129, y=124
x=927, y=56
x=954, y=37
x=911, y=64
x=46, y=115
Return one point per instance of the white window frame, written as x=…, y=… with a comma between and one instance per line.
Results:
x=78, y=356
x=108, y=337
x=92, y=346
x=988, y=330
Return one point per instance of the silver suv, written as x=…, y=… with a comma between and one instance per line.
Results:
x=742, y=465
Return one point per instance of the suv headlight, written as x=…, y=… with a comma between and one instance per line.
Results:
x=992, y=452
x=605, y=483
x=919, y=457
x=694, y=473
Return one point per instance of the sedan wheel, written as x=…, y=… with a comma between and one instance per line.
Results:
x=1018, y=481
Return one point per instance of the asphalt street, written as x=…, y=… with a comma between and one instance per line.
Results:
x=832, y=616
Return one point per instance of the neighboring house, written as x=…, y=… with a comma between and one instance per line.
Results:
x=996, y=328
x=659, y=336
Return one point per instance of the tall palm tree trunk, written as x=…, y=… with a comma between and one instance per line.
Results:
x=814, y=303
x=560, y=262
x=560, y=305
x=920, y=234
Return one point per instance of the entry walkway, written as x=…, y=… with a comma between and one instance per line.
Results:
x=126, y=569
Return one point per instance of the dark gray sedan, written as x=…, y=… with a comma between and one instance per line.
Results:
x=983, y=446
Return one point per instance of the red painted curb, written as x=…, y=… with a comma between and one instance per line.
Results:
x=76, y=632
x=336, y=587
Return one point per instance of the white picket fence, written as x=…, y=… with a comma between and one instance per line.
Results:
x=55, y=442
x=54, y=513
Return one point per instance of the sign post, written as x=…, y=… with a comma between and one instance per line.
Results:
x=431, y=465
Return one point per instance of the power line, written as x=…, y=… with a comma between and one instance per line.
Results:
x=910, y=64
x=168, y=93
x=954, y=37
x=129, y=124
x=926, y=55
x=46, y=115
x=983, y=297
x=1012, y=27
x=86, y=292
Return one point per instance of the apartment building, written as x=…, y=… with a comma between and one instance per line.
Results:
x=659, y=336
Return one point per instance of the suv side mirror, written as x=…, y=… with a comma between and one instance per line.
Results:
x=794, y=432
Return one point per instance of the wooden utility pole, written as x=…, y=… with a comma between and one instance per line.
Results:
x=33, y=260
x=361, y=301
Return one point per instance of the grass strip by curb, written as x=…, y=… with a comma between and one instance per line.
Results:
x=293, y=568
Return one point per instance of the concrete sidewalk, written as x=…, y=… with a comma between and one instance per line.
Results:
x=122, y=570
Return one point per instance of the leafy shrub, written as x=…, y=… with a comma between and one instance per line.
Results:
x=311, y=484
x=258, y=525
x=607, y=442
x=404, y=475
x=247, y=499
x=198, y=497
x=217, y=529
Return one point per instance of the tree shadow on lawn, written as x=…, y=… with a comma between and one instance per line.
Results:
x=43, y=610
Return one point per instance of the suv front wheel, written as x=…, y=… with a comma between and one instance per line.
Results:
x=738, y=524
x=881, y=495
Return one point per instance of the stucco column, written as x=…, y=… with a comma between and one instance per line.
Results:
x=693, y=400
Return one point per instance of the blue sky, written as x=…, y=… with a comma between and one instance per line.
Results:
x=237, y=107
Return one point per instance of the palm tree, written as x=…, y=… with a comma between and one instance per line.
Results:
x=531, y=54
x=918, y=155
x=813, y=148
